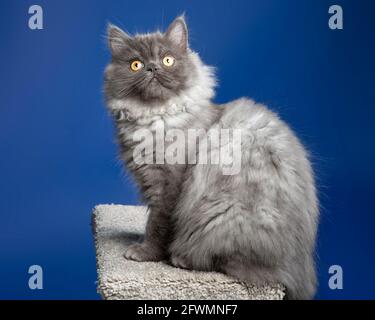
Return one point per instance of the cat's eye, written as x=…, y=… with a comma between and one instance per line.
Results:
x=136, y=65
x=168, y=61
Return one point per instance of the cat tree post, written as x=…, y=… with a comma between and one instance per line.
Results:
x=117, y=226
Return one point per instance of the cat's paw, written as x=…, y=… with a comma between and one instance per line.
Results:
x=180, y=262
x=143, y=252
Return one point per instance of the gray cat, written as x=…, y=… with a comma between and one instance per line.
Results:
x=258, y=225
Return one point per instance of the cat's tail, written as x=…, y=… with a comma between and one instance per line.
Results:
x=297, y=288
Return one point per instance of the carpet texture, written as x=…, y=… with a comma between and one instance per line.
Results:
x=117, y=226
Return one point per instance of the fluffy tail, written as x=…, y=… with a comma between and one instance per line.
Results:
x=298, y=286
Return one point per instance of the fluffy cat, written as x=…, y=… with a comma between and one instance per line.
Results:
x=258, y=225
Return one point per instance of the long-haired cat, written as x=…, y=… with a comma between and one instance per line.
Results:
x=258, y=225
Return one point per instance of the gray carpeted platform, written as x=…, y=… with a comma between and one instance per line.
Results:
x=117, y=226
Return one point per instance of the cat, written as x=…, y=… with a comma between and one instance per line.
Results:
x=259, y=225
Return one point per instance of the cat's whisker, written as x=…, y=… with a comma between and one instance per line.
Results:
x=165, y=77
x=125, y=92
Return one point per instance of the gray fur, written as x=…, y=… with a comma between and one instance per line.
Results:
x=259, y=225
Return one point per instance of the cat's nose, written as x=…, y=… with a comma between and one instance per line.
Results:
x=151, y=67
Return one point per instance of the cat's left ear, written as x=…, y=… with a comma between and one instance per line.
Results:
x=117, y=39
x=177, y=33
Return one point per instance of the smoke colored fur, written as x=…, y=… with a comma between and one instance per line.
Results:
x=259, y=225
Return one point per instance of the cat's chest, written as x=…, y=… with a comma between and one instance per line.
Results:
x=161, y=140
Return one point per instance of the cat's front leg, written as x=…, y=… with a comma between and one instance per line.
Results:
x=143, y=252
x=153, y=248
x=180, y=262
x=161, y=189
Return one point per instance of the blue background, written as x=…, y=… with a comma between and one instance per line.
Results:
x=57, y=153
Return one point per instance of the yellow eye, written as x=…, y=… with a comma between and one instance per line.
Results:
x=136, y=65
x=168, y=61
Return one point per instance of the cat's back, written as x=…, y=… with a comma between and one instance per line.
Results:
x=245, y=113
x=260, y=125
x=274, y=157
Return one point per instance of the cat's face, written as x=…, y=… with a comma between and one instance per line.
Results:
x=152, y=67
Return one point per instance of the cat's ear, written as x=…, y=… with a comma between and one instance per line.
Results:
x=117, y=39
x=177, y=33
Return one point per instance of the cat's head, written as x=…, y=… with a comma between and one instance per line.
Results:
x=155, y=67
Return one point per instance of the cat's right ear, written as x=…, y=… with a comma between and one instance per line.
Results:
x=177, y=33
x=117, y=39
